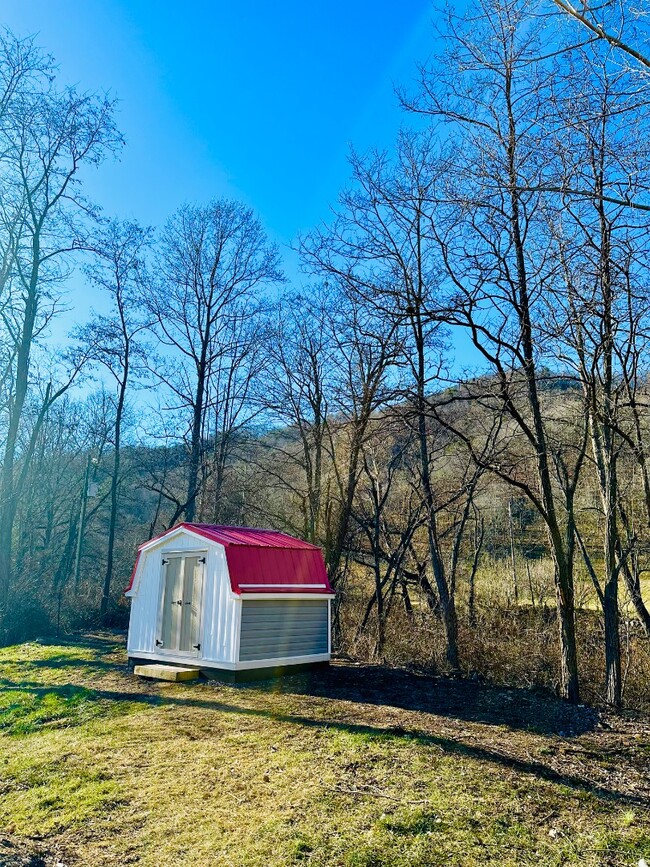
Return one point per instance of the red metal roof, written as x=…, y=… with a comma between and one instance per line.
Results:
x=264, y=561
x=249, y=536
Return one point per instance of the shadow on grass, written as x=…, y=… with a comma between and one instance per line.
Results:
x=534, y=711
x=448, y=745
x=538, y=712
x=100, y=646
x=61, y=660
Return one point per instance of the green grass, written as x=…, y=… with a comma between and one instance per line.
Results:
x=35, y=694
x=23, y=712
x=109, y=770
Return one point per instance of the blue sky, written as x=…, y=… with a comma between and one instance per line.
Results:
x=250, y=99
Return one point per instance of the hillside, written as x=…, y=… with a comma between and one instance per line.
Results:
x=360, y=767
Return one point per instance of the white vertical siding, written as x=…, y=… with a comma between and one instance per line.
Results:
x=143, y=622
x=219, y=626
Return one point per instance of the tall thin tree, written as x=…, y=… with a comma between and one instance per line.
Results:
x=118, y=270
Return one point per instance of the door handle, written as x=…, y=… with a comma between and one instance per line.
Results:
x=178, y=602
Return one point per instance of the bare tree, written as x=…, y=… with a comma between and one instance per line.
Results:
x=298, y=392
x=329, y=374
x=379, y=246
x=366, y=348
x=602, y=313
x=111, y=340
x=488, y=93
x=214, y=261
x=610, y=22
x=234, y=409
x=390, y=511
x=47, y=135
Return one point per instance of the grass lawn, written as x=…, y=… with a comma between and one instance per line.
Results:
x=360, y=767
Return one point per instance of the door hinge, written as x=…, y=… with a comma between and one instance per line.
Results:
x=196, y=646
x=165, y=562
x=158, y=642
x=201, y=559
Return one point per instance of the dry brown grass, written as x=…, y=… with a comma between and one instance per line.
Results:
x=513, y=645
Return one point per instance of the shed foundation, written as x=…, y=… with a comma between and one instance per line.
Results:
x=226, y=675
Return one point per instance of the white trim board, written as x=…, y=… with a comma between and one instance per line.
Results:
x=302, y=596
x=312, y=586
x=234, y=666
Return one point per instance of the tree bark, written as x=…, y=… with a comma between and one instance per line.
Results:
x=115, y=481
x=561, y=554
x=196, y=439
x=8, y=494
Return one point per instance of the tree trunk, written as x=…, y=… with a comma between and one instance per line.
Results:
x=8, y=499
x=479, y=534
x=610, y=598
x=513, y=563
x=445, y=597
x=335, y=552
x=631, y=575
x=81, y=526
x=633, y=585
x=569, y=688
x=196, y=437
x=379, y=596
x=108, y=575
x=563, y=561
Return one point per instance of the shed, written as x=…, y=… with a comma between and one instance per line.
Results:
x=229, y=599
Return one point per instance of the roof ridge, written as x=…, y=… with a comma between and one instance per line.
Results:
x=236, y=527
x=257, y=537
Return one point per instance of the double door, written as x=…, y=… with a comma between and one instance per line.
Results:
x=180, y=616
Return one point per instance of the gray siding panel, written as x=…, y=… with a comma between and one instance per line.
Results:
x=278, y=628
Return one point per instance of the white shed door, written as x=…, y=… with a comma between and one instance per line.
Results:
x=182, y=587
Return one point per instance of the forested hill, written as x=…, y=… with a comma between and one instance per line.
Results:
x=503, y=574
x=494, y=524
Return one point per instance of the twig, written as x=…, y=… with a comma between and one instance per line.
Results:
x=371, y=790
